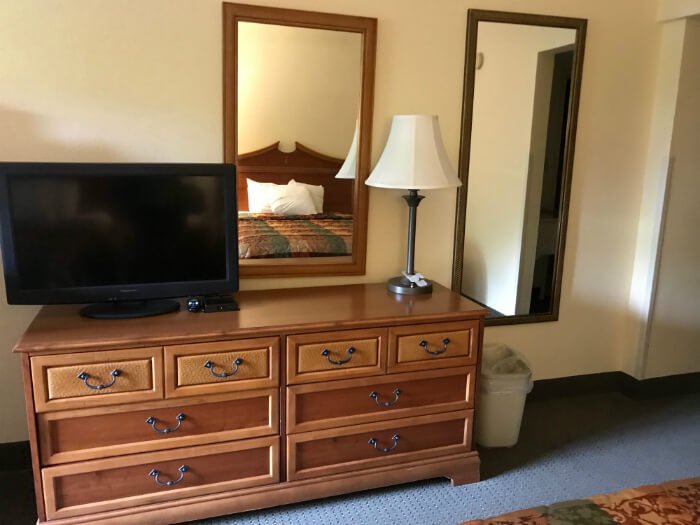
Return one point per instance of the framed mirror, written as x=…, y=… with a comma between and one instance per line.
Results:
x=521, y=97
x=298, y=95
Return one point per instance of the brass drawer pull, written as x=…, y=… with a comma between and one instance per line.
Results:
x=84, y=377
x=394, y=438
x=326, y=353
x=385, y=404
x=236, y=363
x=153, y=422
x=156, y=473
x=445, y=342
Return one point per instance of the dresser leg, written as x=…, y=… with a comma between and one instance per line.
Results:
x=466, y=471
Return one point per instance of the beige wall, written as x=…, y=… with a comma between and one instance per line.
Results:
x=632, y=358
x=141, y=81
x=674, y=9
x=297, y=84
x=13, y=321
x=674, y=335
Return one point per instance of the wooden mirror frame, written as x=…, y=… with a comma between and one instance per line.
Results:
x=474, y=16
x=353, y=264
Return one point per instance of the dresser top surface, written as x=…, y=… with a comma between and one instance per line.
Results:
x=263, y=312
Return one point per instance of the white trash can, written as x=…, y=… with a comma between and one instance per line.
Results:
x=506, y=379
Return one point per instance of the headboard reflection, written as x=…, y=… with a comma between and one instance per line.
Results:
x=305, y=165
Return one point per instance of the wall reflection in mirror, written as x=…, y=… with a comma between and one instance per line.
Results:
x=523, y=81
x=298, y=103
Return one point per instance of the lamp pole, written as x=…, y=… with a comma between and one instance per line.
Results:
x=402, y=285
x=413, y=200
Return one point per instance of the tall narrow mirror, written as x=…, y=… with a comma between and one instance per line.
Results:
x=298, y=97
x=522, y=84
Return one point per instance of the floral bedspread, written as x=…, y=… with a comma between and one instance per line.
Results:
x=265, y=236
x=671, y=503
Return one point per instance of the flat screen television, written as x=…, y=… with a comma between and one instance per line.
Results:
x=127, y=237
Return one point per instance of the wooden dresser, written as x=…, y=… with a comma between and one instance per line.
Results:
x=303, y=393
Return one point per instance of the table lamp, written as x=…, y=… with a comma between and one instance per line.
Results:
x=413, y=159
x=349, y=167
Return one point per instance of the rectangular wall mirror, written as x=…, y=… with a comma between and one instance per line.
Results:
x=522, y=85
x=298, y=90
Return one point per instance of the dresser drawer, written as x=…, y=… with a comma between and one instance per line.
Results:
x=324, y=452
x=437, y=345
x=330, y=355
x=77, y=435
x=344, y=403
x=96, y=486
x=96, y=378
x=207, y=368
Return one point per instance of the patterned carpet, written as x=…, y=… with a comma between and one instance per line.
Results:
x=673, y=502
x=569, y=449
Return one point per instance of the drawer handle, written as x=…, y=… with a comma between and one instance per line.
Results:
x=156, y=473
x=385, y=404
x=445, y=342
x=326, y=353
x=153, y=422
x=236, y=363
x=84, y=377
x=394, y=438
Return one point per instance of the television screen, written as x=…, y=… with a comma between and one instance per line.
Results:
x=110, y=232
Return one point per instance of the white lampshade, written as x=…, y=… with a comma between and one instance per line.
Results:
x=414, y=157
x=349, y=167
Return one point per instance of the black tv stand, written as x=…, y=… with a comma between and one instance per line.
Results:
x=130, y=309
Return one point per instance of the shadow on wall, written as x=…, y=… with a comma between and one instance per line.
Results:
x=672, y=345
x=25, y=136
x=667, y=347
x=474, y=273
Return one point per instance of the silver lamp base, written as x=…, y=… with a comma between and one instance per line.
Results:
x=404, y=286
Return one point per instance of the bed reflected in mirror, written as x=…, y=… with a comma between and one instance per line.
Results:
x=298, y=100
x=523, y=78
x=297, y=128
x=293, y=205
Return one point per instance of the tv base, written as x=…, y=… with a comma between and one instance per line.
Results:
x=130, y=309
